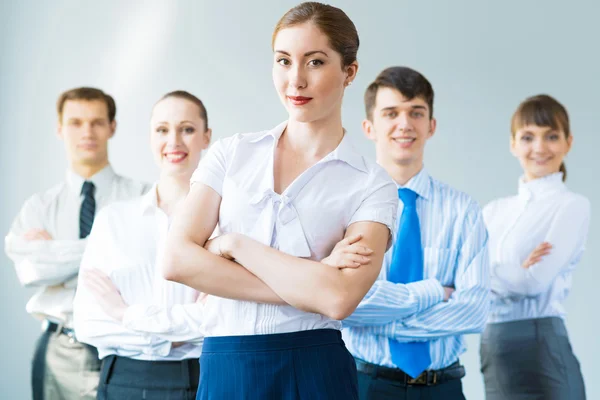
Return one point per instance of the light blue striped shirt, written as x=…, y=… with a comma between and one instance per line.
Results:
x=454, y=240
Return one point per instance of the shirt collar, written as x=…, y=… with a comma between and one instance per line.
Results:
x=150, y=200
x=102, y=181
x=420, y=184
x=345, y=151
x=541, y=186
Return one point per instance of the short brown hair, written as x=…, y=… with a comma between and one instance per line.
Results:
x=410, y=83
x=182, y=94
x=88, y=94
x=332, y=21
x=545, y=111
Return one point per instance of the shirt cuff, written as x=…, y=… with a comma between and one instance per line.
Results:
x=429, y=292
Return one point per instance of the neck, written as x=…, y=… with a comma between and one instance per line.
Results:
x=401, y=173
x=87, y=171
x=171, y=190
x=314, y=139
x=527, y=177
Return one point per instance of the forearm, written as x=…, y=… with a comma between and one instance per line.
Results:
x=387, y=302
x=307, y=285
x=466, y=312
x=178, y=323
x=192, y=265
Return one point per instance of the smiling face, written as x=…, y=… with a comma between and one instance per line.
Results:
x=308, y=74
x=399, y=127
x=178, y=136
x=540, y=149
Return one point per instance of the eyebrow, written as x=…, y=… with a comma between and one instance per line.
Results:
x=181, y=122
x=307, y=54
x=414, y=107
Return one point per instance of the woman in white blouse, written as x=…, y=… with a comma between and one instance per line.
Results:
x=147, y=330
x=282, y=198
x=536, y=240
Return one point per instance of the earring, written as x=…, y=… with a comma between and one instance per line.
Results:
x=349, y=83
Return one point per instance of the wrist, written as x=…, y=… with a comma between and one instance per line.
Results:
x=229, y=244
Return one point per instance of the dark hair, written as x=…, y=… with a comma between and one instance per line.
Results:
x=88, y=94
x=332, y=21
x=407, y=81
x=545, y=111
x=182, y=94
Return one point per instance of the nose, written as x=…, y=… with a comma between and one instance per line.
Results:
x=297, y=78
x=87, y=129
x=173, y=139
x=403, y=122
x=539, y=145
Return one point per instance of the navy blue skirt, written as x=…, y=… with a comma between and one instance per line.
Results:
x=311, y=364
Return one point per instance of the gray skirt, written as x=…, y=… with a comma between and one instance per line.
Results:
x=530, y=359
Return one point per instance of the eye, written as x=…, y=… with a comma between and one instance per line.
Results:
x=417, y=114
x=189, y=129
x=162, y=130
x=315, y=63
x=527, y=138
x=283, y=61
x=553, y=137
x=391, y=114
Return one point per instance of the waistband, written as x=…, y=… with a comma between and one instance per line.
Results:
x=272, y=342
x=129, y=372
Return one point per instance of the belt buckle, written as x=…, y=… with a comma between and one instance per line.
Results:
x=419, y=380
x=427, y=378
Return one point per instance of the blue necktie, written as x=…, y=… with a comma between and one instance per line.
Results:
x=88, y=209
x=407, y=266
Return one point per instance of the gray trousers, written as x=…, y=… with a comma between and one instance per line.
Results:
x=71, y=370
x=530, y=359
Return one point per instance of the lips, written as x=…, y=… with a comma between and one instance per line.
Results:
x=299, y=100
x=404, y=142
x=88, y=146
x=175, y=158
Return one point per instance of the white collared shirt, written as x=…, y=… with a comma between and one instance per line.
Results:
x=543, y=211
x=306, y=220
x=52, y=265
x=127, y=244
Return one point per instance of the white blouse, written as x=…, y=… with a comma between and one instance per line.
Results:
x=543, y=211
x=306, y=220
x=127, y=244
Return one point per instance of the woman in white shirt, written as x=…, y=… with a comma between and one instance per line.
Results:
x=536, y=240
x=147, y=330
x=282, y=199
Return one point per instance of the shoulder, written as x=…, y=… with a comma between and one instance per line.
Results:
x=46, y=198
x=131, y=187
x=576, y=202
x=460, y=200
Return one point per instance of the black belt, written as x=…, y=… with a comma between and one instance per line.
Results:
x=427, y=378
x=54, y=327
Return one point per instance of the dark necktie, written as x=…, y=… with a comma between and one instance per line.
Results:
x=88, y=209
x=407, y=266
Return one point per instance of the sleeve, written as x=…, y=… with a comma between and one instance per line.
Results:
x=92, y=325
x=466, y=311
x=178, y=323
x=387, y=301
x=567, y=235
x=41, y=262
x=380, y=202
x=213, y=166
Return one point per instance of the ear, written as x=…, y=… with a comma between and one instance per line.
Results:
x=369, y=130
x=59, y=130
x=513, y=143
x=207, y=137
x=432, y=127
x=569, y=142
x=351, y=71
x=113, y=128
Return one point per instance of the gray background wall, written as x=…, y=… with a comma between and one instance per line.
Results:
x=483, y=58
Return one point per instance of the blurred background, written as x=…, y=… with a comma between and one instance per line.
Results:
x=482, y=58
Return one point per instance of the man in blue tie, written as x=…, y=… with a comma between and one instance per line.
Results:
x=406, y=335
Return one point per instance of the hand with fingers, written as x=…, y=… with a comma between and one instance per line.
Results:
x=105, y=292
x=37, y=234
x=348, y=254
x=537, y=255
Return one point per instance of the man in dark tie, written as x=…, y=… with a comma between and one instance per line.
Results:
x=47, y=239
x=406, y=335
